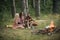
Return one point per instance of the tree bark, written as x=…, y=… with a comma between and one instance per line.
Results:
x=56, y=6
x=33, y=3
x=27, y=8
x=44, y=2
x=24, y=7
x=37, y=8
x=13, y=8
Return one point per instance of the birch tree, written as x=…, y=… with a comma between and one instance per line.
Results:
x=27, y=8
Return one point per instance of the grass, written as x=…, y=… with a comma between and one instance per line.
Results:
x=10, y=34
x=25, y=34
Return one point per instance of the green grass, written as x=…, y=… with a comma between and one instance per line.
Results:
x=19, y=34
x=25, y=34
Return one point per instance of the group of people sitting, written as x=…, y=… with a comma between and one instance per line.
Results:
x=21, y=21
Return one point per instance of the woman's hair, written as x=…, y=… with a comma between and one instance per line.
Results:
x=21, y=14
x=17, y=14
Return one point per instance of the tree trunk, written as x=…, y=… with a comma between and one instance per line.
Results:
x=13, y=8
x=44, y=2
x=24, y=7
x=56, y=6
x=37, y=8
x=27, y=9
x=33, y=3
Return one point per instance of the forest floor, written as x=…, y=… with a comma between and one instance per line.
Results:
x=25, y=34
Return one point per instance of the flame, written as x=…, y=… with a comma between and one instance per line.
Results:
x=52, y=24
